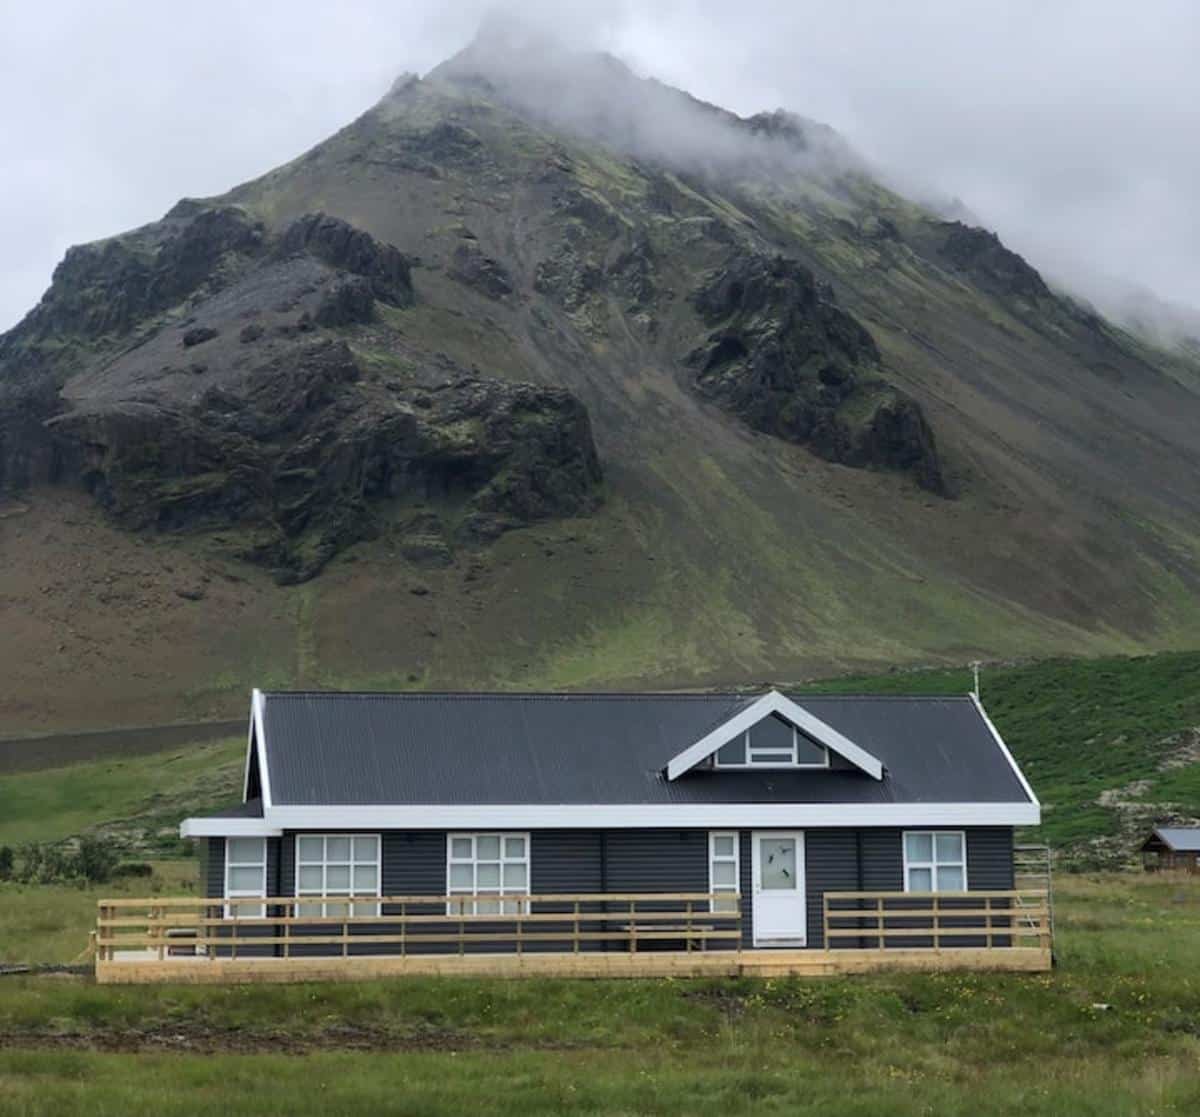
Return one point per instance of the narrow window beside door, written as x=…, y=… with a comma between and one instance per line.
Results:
x=723, y=868
x=935, y=861
x=245, y=875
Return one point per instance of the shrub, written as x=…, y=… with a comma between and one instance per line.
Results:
x=92, y=862
x=6, y=863
x=129, y=869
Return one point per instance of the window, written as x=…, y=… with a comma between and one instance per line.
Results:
x=486, y=865
x=337, y=865
x=245, y=875
x=723, y=868
x=772, y=743
x=935, y=861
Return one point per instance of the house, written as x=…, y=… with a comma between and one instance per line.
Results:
x=1172, y=847
x=766, y=825
x=600, y=834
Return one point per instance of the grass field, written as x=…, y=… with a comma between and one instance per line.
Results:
x=1112, y=1031
x=138, y=800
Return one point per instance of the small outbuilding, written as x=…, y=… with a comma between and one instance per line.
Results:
x=1172, y=847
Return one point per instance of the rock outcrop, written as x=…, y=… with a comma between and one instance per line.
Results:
x=787, y=360
x=214, y=383
x=981, y=255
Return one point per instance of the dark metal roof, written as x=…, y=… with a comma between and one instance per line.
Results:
x=401, y=749
x=1182, y=839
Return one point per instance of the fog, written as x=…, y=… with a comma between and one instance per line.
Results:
x=1067, y=127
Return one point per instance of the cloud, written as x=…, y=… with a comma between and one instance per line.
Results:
x=1068, y=127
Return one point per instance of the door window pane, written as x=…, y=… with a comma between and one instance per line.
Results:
x=778, y=867
x=920, y=880
x=724, y=873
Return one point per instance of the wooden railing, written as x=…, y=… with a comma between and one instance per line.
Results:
x=170, y=927
x=938, y=920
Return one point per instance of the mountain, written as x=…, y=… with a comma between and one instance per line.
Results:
x=543, y=374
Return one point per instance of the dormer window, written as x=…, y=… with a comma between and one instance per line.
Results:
x=772, y=743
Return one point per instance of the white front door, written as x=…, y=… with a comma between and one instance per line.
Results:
x=779, y=909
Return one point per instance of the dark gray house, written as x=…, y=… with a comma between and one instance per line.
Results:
x=476, y=798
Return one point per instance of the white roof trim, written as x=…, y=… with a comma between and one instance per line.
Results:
x=707, y=816
x=774, y=703
x=227, y=828
x=264, y=771
x=1007, y=755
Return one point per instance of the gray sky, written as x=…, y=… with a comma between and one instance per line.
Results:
x=1069, y=126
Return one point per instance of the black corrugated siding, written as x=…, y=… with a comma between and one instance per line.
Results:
x=414, y=864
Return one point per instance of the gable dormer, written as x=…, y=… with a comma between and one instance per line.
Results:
x=773, y=732
x=773, y=742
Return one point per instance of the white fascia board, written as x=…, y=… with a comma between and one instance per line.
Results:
x=774, y=703
x=1007, y=755
x=228, y=828
x=707, y=816
x=264, y=770
x=250, y=737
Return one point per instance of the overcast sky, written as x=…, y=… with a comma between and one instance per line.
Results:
x=1069, y=126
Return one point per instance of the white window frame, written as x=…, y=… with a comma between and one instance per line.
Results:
x=723, y=858
x=324, y=900
x=934, y=864
x=750, y=762
x=245, y=911
x=471, y=906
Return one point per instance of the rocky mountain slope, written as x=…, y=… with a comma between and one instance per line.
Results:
x=539, y=373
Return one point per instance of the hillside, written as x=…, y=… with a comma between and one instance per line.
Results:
x=542, y=374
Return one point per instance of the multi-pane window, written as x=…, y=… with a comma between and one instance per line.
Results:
x=772, y=743
x=245, y=875
x=935, y=861
x=487, y=865
x=723, y=868
x=337, y=865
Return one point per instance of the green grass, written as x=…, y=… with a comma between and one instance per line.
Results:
x=952, y=1044
x=49, y=923
x=144, y=793
x=1079, y=727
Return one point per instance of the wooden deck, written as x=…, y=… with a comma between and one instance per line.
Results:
x=598, y=935
x=729, y=963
